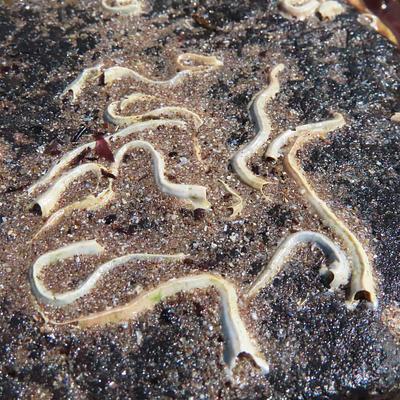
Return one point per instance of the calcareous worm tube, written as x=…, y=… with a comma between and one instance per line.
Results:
x=263, y=127
x=194, y=195
x=362, y=281
x=337, y=266
x=86, y=247
x=67, y=158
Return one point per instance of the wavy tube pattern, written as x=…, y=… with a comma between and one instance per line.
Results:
x=89, y=203
x=49, y=199
x=237, y=339
x=195, y=195
x=362, y=281
x=263, y=126
x=111, y=113
x=274, y=150
x=187, y=63
x=168, y=112
x=67, y=158
x=338, y=266
x=87, y=247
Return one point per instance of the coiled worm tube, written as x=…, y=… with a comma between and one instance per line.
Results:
x=337, y=266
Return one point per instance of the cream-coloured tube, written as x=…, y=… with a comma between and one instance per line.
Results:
x=141, y=126
x=89, y=203
x=237, y=206
x=125, y=7
x=299, y=9
x=274, y=150
x=188, y=64
x=85, y=247
x=194, y=195
x=336, y=259
x=116, y=73
x=90, y=247
x=362, y=281
x=197, y=62
x=237, y=339
x=395, y=117
x=263, y=127
x=65, y=160
x=330, y=9
x=88, y=74
x=60, y=165
x=170, y=112
x=49, y=199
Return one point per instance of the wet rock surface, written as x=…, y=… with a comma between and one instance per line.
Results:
x=316, y=347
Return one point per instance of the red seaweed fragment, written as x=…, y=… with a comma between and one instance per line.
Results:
x=102, y=149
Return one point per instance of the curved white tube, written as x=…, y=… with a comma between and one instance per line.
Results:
x=116, y=73
x=76, y=86
x=263, y=126
x=48, y=200
x=152, y=124
x=89, y=247
x=300, y=9
x=395, y=117
x=188, y=63
x=66, y=159
x=330, y=9
x=170, y=112
x=90, y=202
x=362, y=281
x=195, y=195
x=237, y=339
x=197, y=62
x=274, y=150
x=237, y=206
x=336, y=259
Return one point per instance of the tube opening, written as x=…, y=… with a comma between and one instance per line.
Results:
x=327, y=278
x=363, y=295
x=36, y=209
